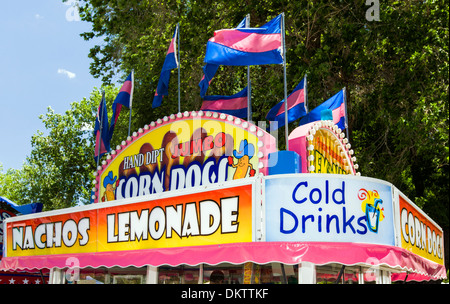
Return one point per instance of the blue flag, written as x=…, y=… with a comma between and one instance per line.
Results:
x=235, y=105
x=296, y=106
x=101, y=131
x=122, y=99
x=337, y=106
x=246, y=46
x=209, y=69
x=170, y=62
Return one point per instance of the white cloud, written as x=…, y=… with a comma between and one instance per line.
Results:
x=67, y=73
x=37, y=16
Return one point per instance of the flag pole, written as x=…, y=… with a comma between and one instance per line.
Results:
x=178, y=64
x=286, y=127
x=100, y=113
x=131, y=100
x=306, y=93
x=249, y=85
x=345, y=104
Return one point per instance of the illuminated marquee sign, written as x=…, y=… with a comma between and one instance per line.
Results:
x=182, y=151
x=418, y=233
x=216, y=216
x=323, y=148
x=329, y=150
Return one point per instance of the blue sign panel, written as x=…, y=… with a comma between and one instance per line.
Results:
x=328, y=208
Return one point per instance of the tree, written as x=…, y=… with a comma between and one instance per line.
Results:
x=13, y=185
x=60, y=165
x=59, y=171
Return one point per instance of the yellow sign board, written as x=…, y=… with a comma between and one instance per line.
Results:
x=216, y=216
x=419, y=234
x=184, y=152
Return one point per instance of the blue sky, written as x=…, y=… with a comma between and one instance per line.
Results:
x=44, y=62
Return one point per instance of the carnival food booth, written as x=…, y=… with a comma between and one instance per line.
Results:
x=197, y=192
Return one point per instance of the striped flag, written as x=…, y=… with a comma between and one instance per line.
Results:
x=124, y=98
x=296, y=106
x=336, y=104
x=209, y=69
x=170, y=62
x=235, y=105
x=246, y=46
x=101, y=131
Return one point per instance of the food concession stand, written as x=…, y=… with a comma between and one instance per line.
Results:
x=195, y=192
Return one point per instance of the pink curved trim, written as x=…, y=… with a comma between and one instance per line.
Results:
x=237, y=253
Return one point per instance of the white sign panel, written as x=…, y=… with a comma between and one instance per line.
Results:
x=328, y=208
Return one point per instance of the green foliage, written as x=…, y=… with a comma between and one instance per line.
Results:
x=12, y=185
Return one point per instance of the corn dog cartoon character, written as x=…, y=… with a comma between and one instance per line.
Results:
x=109, y=184
x=245, y=153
